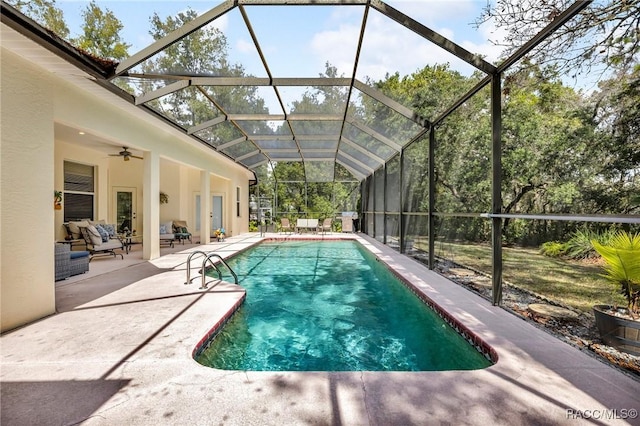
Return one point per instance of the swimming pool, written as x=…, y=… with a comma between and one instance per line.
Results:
x=331, y=306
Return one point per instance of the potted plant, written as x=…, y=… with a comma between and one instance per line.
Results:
x=164, y=198
x=219, y=234
x=57, y=200
x=620, y=326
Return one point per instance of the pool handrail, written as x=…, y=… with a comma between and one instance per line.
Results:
x=220, y=258
x=189, y=279
x=213, y=264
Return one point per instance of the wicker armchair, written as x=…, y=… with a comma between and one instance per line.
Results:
x=68, y=263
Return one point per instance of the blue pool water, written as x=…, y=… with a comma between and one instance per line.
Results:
x=330, y=306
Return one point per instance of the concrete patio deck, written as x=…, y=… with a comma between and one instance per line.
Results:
x=118, y=352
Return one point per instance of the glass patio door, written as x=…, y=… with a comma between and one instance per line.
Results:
x=125, y=209
x=216, y=217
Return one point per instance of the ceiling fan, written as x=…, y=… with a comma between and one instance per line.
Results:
x=126, y=154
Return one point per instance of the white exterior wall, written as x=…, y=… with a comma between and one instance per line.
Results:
x=31, y=168
x=26, y=194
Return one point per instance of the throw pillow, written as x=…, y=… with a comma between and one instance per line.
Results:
x=103, y=233
x=169, y=227
x=94, y=235
x=74, y=227
x=85, y=234
x=163, y=229
x=111, y=229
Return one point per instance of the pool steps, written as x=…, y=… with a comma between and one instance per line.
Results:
x=208, y=256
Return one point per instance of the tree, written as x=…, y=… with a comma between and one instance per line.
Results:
x=202, y=53
x=615, y=110
x=45, y=13
x=605, y=34
x=101, y=34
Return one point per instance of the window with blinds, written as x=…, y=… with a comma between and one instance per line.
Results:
x=79, y=190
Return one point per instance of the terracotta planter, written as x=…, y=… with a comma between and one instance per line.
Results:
x=618, y=332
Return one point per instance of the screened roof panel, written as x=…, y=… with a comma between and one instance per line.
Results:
x=220, y=134
x=369, y=161
x=311, y=127
x=353, y=166
x=240, y=149
x=284, y=155
x=244, y=99
x=139, y=86
x=297, y=82
x=384, y=119
x=258, y=128
x=318, y=154
x=279, y=143
x=368, y=142
x=385, y=38
x=254, y=160
x=319, y=171
x=315, y=99
x=237, y=74
x=318, y=143
x=298, y=43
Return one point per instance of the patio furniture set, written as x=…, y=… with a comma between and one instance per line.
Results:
x=312, y=225
x=101, y=239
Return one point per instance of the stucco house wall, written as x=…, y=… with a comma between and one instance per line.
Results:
x=31, y=168
x=26, y=193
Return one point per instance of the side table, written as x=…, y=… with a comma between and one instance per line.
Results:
x=73, y=243
x=129, y=240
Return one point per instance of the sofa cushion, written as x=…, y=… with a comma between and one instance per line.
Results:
x=109, y=245
x=78, y=254
x=74, y=228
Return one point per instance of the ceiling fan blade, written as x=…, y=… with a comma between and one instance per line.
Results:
x=135, y=156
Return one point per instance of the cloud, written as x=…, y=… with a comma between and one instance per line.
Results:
x=389, y=47
x=245, y=46
x=488, y=47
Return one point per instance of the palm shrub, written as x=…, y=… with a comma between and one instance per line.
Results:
x=580, y=244
x=553, y=249
x=622, y=258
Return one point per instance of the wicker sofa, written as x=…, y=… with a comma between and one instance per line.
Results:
x=68, y=263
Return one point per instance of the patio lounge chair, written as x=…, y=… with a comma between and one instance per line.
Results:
x=285, y=225
x=166, y=233
x=97, y=245
x=181, y=231
x=325, y=225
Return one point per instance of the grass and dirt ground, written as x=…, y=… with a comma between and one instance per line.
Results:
x=530, y=277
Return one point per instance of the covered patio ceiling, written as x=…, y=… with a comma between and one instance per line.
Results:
x=261, y=107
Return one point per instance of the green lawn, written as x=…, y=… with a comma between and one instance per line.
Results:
x=576, y=284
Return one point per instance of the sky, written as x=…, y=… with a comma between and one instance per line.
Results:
x=297, y=41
